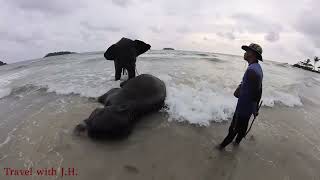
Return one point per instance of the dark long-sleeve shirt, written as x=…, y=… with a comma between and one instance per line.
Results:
x=250, y=90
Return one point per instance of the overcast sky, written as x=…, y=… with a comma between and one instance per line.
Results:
x=287, y=30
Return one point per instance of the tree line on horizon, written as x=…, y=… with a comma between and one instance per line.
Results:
x=306, y=64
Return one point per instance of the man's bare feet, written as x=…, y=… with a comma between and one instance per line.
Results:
x=235, y=144
x=219, y=147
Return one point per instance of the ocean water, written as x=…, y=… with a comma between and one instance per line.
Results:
x=200, y=85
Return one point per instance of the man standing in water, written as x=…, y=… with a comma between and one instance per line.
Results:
x=248, y=93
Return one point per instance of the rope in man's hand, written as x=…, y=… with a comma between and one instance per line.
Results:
x=255, y=116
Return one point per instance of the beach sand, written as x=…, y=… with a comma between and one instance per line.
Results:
x=284, y=144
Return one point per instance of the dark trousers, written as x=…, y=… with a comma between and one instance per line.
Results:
x=131, y=68
x=238, y=127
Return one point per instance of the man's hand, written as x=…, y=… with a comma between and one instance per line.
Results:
x=256, y=113
x=237, y=92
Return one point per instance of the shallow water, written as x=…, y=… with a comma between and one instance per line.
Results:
x=42, y=101
x=199, y=84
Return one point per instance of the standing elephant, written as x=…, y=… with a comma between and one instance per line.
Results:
x=124, y=54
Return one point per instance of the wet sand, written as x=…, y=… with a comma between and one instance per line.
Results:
x=283, y=144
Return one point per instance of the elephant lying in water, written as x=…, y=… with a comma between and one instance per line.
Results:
x=124, y=106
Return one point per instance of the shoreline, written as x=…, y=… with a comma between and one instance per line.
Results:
x=284, y=143
x=305, y=68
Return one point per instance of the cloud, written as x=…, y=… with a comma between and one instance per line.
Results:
x=272, y=36
x=309, y=24
x=110, y=28
x=31, y=28
x=121, y=3
x=155, y=29
x=245, y=22
x=52, y=7
x=183, y=30
x=307, y=50
x=227, y=35
x=19, y=36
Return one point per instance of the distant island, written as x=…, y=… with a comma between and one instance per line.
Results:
x=167, y=49
x=306, y=65
x=2, y=63
x=59, y=53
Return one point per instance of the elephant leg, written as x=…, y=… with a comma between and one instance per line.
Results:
x=124, y=71
x=105, y=98
x=131, y=70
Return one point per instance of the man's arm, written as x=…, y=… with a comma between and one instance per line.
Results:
x=237, y=91
x=255, y=86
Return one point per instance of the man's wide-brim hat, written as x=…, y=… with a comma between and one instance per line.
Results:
x=255, y=48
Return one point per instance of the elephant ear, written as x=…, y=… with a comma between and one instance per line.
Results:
x=141, y=47
x=111, y=52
